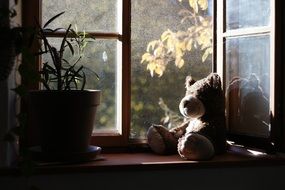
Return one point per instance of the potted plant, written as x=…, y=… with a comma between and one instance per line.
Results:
x=64, y=111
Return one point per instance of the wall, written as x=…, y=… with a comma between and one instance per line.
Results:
x=7, y=111
x=259, y=178
x=7, y=120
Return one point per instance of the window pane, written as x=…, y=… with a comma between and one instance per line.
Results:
x=88, y=15
x=101, y=57
x=182, y=39
x=247, y=13
x=247, y=81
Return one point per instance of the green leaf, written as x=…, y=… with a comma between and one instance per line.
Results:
x=63, y=41
x=50, y=68
x=83, y=81
x=53, y=18
x=73, y=77
x=70, y=47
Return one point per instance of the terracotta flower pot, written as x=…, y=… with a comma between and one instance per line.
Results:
x=65, y=118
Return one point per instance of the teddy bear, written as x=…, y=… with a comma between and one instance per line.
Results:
x=203, y=132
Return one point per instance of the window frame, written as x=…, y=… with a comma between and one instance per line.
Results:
x=105, y=139
x=274, y=141
x=33, y=10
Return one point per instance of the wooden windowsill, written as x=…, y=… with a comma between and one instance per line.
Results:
x=235, y=157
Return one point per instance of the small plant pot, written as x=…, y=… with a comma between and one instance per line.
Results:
x=65, y=119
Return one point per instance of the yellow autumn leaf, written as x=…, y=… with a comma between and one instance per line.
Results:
x=203, y=4
x=146, y=57
x=194, y=5
x=151, y=73
x=151, y=45
x=206, y=54
x=179, y=62
x=170, y=44
x=158, y=51
x=159, y=71
x=204, y=38
x=165, y=35
x=189, y=45
x=205, y=22
x=210, y=49
x=151, y=66
x=181, y=45
x=178, y=52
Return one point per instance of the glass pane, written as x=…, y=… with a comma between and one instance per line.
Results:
x=247, y=13
x=248, y=88
x=157, y=84
x=88, y=15
x=100, y=56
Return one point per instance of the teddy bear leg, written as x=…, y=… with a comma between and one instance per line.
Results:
x=194, y=146
x=161, y=141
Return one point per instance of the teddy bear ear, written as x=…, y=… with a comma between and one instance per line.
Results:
x=253, y=80
x=189, y=81
x=214, y=80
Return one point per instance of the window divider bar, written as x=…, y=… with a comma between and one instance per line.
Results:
x=126, y=73
x=101, y=35
x=247, y=32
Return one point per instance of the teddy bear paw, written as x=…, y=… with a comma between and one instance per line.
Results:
x=193, y=146
x=160, y=140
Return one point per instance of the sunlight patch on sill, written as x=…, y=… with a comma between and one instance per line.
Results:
x=168, y=162
x=256, y=153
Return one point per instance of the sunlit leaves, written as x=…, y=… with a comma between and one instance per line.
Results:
x=157, y=66
x=146, y=57
x=194, y=5
x=203, y=4
x=208, y=52
x=172, y=46
x=179, y=62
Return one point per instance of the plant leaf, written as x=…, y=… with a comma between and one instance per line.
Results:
x=63, y=42
x=70, y=47
x=50, y=20
x=83, y=81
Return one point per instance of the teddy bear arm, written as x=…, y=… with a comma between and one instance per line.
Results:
x=179, y=131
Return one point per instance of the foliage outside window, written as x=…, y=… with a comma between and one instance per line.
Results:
x=170, y=40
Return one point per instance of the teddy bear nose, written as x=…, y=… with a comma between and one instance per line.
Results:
x=191, y=107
